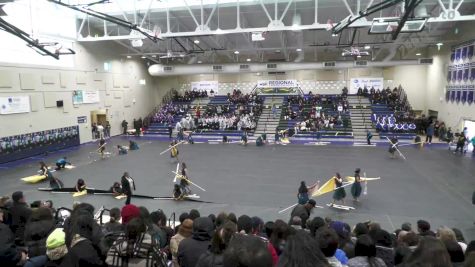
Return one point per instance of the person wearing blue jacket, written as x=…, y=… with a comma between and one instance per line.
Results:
x=61, y=163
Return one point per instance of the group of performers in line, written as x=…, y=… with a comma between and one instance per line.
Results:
x=339, y=193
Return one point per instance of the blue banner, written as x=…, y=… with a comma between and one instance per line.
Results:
x=447, y=95
x=452, y=95
x=466, y=72
x=470, y=52
x=464, y=52
x=470, y=97
x=458, y=96
x=464, y=96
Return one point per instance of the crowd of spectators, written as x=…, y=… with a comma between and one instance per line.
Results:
x=31, y=236
x=396, y=99
x=339, y=103
x=188, y=96
x=237, y=97
x=310, y=115
x=176, y=105
x=166, y=113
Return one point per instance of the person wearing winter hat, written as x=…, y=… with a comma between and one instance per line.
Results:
x=56, y=247
x=184, y=231
x=129, y=212
x=191, y=249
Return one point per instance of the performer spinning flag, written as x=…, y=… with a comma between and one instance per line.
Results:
x=184, y=180
x=340, y=193
x=174, y=150
x=304, y=191
x=102, y=147
x=393, y=146
x=356, y=187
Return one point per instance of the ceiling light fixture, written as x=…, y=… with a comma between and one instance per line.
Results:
x=154, y=55
x=143, y=57
x=439, y=45
x=298, y=49
x=196, y=41
x=418, y=54
x=236, y=52
x=129, y=56
x=248, y=60
x=199, y=61
x=334, y=35
x=358, y=56
x=367, y=47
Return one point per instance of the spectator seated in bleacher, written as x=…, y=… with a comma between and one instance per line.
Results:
x=166, y=113
x=188, y=96
x=237, y=97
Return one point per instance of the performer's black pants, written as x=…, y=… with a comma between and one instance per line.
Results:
x=369, y=141
x=429, y=138
x=129, y=197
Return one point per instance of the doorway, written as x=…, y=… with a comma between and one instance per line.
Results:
x=98, y=122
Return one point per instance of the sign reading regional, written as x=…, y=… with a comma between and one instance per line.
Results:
x=277, y=84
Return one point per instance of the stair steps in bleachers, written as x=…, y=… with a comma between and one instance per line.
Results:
x=360, y=114
x=267, y=123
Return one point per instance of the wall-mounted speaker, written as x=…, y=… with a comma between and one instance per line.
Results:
x=59, y=103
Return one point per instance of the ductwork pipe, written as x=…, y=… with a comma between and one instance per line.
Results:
x=159, y=70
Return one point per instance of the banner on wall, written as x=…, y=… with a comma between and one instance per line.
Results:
x=355, y=83
x=470, y=97
x=85, y=97
x=277, y=84
x=205, y=86
x=14, y=104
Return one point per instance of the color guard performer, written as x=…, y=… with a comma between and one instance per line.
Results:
x=356, y=187
x=340, y=193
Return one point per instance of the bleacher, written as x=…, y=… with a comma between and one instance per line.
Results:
x=339, y=131
x=384, y=110
x=161, y=129
x=157, y=128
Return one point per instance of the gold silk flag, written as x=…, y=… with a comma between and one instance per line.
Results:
x=327, y=187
